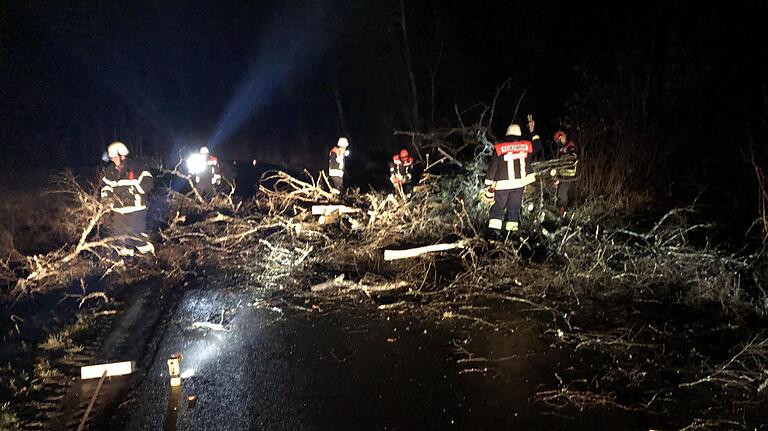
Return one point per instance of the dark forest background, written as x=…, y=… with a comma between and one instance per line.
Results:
x=667, y=99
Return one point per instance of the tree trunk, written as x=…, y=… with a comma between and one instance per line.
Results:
x=432, y=76
x=409, y=66
x=339, y=108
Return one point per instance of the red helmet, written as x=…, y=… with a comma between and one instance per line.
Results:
x=403, y=153
x=559, y=134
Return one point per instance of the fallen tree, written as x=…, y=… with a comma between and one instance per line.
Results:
x=562, y=271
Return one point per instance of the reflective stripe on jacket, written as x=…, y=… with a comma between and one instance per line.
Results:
x=510, y=167
x=568, y=151
x=127, y=186
x=336, y=162
x=400, y=170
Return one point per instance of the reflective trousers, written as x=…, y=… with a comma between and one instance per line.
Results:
x=134, y=225
x=337, y=183
x=506, y=207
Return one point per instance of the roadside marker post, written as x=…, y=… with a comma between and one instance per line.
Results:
x=174, y=368
x=102, y=371
x=112, y=369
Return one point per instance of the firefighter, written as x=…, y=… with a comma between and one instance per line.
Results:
x=508, y=173
x=205, y=171
x=126, y=184
x=336, y=165
x=565, y=175
x=401, y=171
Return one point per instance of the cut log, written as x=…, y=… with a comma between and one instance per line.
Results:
x=329, y=218
x=413, y=252
x=330, y=209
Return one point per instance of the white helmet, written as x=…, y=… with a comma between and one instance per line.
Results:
x=343, y=142
x=204, y=150
x=514, y=130
x=117, y=149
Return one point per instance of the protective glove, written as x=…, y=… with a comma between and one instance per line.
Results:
x=553, y=172
x=487, y=196
x=489, y=192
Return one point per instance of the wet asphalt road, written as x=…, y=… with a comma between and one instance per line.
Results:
x=330, y=371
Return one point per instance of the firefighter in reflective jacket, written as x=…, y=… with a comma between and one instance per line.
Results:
x=336, y=165
x=126, y=184
x=566, y=174
x=400, y=171
x=508, y=173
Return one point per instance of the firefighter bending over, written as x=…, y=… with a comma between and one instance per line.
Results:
x=126, y=184
x=336, y=165
x=565, y=175
x=508, y=173
x=401, y=171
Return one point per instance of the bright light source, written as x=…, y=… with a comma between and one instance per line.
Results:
x=188, y=373
x=196, y=164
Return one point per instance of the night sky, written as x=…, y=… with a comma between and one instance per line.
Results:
x=261, y=79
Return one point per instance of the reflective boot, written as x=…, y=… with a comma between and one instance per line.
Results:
x=494, y=233
x=511, y=229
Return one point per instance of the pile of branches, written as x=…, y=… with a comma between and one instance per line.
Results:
x=89, y=254
x=277, y=230
x=671, y=261
x=549, y=269
x=278, y=242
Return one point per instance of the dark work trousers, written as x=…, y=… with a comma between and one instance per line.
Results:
x=562, y=194
x=337, y=183
x=203, y=184
x=509, y=202
x=407, y=187
x=131, y=224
